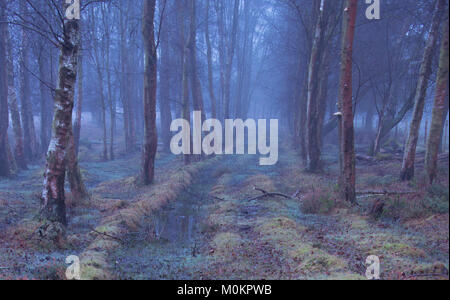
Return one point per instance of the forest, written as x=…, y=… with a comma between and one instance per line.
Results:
x=224, y=140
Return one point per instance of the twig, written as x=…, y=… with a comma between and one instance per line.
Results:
x=384, y=193
x=267, y=194
x=218, y=198
x=296, y=194
x=110, y=236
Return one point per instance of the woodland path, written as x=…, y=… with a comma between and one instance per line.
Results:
x=215, y=231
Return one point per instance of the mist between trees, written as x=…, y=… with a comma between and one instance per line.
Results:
x=118, y=76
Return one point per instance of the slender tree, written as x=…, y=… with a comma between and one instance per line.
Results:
x=5, y=162
x=19, y=154
x=407, y=171
x=165, y=76
x=29, y=132
x=79, y=104
x=229, y=60
x=437, y=122
x=150, y=83
x=347, y=142
x=315, y=66
x=212, y=96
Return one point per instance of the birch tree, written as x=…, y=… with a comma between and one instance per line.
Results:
x=53, y=208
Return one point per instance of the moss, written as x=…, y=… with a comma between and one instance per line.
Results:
x=260, y=181
x=319, y=262
x=435, y=268
x=226, y=242
x=131, y=216
x=404, y=250
x=280, y=223
x=346, y=276
x=93, y=265
x=93, y=273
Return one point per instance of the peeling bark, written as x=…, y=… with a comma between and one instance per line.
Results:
x=53, y=206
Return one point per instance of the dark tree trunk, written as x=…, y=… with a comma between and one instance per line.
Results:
x=29, y=132
x=150, y=82
x=346, y=102
x=5, y=163
x=313, y=100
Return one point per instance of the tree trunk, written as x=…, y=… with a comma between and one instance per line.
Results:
x=44, y=73
x=315, y=65
x=150, y=82
x=407, y=172
x=210, y=63
x=219, y=7
x=197, y=95
x=107, y=64
x=79, y=108
x=229, y=61
x=186, y=112
x=164, y=94
x=53, y=206
x=124, y=81
x=29, y=131
x=103, y=113
x=437, y=122
x=346, y=102
x=77, y=187
x=5, y=163
x=19, y=155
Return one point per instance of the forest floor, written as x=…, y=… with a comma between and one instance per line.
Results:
x=220, y=228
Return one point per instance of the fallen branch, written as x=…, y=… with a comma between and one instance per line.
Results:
x=218, y=198
x=110, y=236
x=267, y=194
